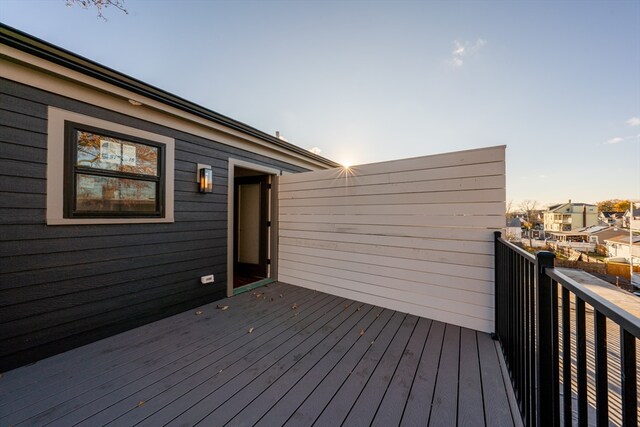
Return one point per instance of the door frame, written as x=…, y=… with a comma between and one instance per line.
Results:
x=272, y=233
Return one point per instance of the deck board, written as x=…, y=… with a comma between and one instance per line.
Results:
x=444, y=406
x=369, y=400
x=418, y=406
x=470, y=408
x=311, y=359
x=392, y=406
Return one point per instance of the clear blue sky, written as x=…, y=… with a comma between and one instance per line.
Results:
x=366, y=81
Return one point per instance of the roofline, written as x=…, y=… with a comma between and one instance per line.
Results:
x=45, y=50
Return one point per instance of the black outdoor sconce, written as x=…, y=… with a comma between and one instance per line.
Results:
x=205, y=179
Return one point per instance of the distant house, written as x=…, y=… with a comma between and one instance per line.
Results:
x=513, y=230
x=588, y=239
x=631, y=215
x=570, y=216
x=618, y=247
x=614, y=219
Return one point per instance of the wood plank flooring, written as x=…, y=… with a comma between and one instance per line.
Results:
x=279, y=355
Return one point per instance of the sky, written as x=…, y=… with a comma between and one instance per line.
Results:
x=557, y=82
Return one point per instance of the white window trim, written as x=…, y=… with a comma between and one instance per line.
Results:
x=55, y=167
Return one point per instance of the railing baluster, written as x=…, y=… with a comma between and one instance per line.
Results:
x=581, y=352
x=629, y=369
x=555, y=356
x=518, y=327
x=511, y=345
x=602, y=385
x=525, y=350
x=566, y=356
x=497, y=261
x=533, y=375
x=545, y=395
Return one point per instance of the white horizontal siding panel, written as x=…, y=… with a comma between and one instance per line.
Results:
x=446, y=209
x=495, y=222
x=457, y=258
x=392, y=284
x=464, y=271
x=467, y=171
x=443, y=233
x=454, y=184
x=452, y=159
x=465, y=196
x=463, y=246
x=414, y=235
x=431, y=279
x=482, y=310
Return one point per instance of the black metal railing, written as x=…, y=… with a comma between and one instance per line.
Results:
x=547, y=340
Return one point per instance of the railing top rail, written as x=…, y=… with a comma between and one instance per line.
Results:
x=518, y=250
x=622, y=317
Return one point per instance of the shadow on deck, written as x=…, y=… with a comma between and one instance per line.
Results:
x=281, y=355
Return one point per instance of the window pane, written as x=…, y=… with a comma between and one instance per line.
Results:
x=106, y=194
x=113, y=154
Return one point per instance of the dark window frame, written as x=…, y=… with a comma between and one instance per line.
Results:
x=71, y=170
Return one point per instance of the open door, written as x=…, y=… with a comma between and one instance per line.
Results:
x=251, y=238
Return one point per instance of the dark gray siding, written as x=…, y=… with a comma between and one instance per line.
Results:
x=63, y=286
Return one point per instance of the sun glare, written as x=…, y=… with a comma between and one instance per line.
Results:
x=346, y=164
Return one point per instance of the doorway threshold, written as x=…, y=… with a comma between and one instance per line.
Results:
x=252, y=286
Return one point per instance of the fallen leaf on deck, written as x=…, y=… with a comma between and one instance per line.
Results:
x=361, y=332
x=222, y=307
x=294, y=306
x=140, y=403
x=358, y=309
x=250, y=329
x=198, y=313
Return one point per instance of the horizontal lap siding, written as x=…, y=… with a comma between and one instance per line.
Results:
x=413, y=235
x=62, y=286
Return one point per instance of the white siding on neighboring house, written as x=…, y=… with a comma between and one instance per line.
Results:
x=414, y=235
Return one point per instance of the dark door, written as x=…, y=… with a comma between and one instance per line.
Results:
x=250, y=229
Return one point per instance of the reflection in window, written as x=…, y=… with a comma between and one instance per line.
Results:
x=111, y=175
x=101, y=152
x=107, y=194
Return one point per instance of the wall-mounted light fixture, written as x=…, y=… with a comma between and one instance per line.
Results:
x=205, y=178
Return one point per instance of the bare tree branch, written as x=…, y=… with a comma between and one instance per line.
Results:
x=100, y=5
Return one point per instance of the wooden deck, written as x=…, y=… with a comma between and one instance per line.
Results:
x=280, y=355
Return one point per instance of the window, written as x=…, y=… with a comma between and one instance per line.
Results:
x=65, y=175
x=111, y=175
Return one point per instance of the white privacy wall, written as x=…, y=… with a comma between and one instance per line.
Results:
x=413, y=235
